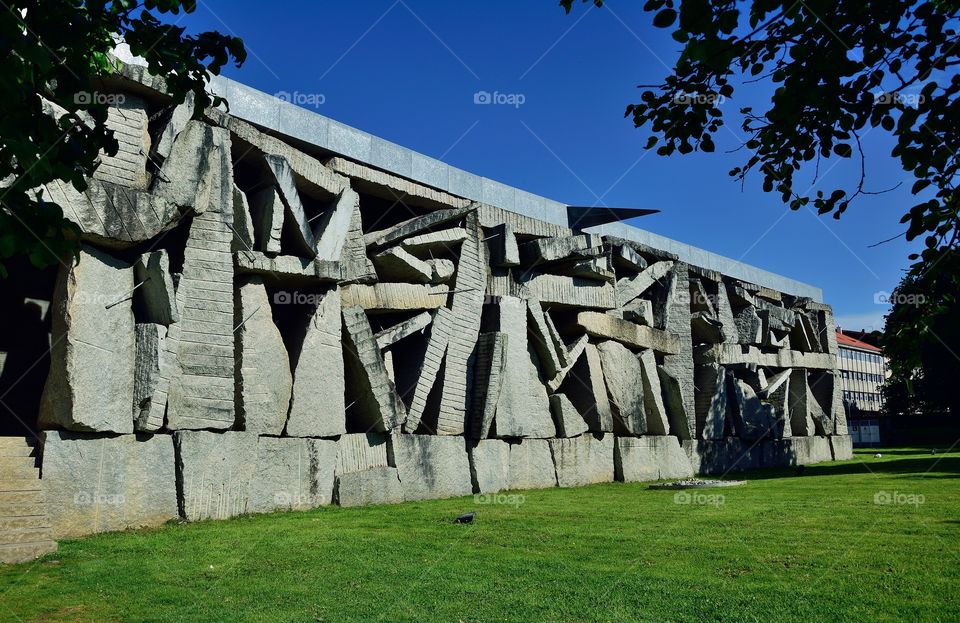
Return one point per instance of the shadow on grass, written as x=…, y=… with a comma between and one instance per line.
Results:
x=941, y=466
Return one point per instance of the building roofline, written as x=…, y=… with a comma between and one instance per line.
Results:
x=287, y=119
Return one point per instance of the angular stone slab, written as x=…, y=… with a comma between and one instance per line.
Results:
x=624, y=257
x=572, y=356
x=357, y=266
x=357, y=452
x=397, y=332
x=579, y=246
x=749, y=326
x=156, y=294
x=303, y=237
x=127, y=120
x=630, y=288
x=215, y=470
x=587, y=390
x=288, y=270
x=776, y=393
x=641, y=459
x=676, y=321
x=397, y=264
x=466, y=306
x=737, y=355
x=531, y=465
x=639, y=311
x=431, y=467
x=711, y=402
x=243, y=235
x=174, y=124
x=91, y=381
x=150, y=360
x=583, y=460
x=263, y=366
x=112, y=215
x=608, y=327
x=489, y=465
x=673, y=398
x=657, y=421
x=317, y=407
x=706, y=330
x=267, y=210
x=568, y=420
x=377, y=485
x=333, y=226
x=97, y=484
x=437, y=343
x=624, y=377
x=419, y=225
x=198, y=174
x=752, y=418
x=378, y=405
x=394, y=297
x=488, y=381
x=436, y=242
x=731, y=334
x=442, y=270
x=802, y=405
x=523, y=409
x=556, y=290
x=201, y=392
x=842, y=447
x=388, y=186
x=502, y=242
x=543, y=340
x=292, y=474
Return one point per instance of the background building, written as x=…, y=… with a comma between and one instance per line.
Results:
x=863, y=370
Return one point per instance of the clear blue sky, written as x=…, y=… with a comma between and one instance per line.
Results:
x=407, y=71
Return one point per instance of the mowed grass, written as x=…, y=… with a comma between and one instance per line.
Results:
x=781, y=548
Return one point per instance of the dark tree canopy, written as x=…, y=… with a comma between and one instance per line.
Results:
x=52, y=53
x=838, y=68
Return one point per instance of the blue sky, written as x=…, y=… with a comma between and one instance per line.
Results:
x=408, y=71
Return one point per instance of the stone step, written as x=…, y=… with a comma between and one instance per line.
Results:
x=20, y=467
x=26, y=535
x=22, y=509
x=23, y=552
x=20, y=497
x=18, y=446
x=18, y=523
x=20, y=484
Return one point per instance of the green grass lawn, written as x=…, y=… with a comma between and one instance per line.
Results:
x=780, y=548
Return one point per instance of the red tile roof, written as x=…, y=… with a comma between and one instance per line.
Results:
x=846, y=340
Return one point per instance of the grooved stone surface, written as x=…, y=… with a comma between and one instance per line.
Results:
x=377, y=485
x=292, y=474
x=215, y=470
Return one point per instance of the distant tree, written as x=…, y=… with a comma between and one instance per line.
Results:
x=839, y=68
x=52, y=51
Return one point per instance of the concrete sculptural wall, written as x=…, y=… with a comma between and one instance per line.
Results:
x=257, y=325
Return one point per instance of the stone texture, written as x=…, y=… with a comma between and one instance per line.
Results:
x=201, y=387
x=378, y=406
x=333, y=226
x=752, y=418
x=198, y=174
x=151, y=359
x=396, y=264
x=584, y=460
x=267, y=210
x=437, y=342
x=567, y=419
x=292, y=474
x=723, y=456
x=561, y=248
x=357, y=452
x=749, y=326
x=571, y=356
x=488, y=381
x=214, y=470
x=531, y=465
x=100, y=484
x=841, y=447
x=587, y=390
x=302, y=237
x=437, y=241
x=605, y=326
x=543, y=340
x=523, y=409
x=556, y=290
x=657, y=421
x=630, y=288
x=441, y=270
x=676, y=321
x=394, y=297
x=417, y=226
x=802, y=406
x=650, y=458
x=466, y=306
x=624, y=376
x=431, y=466
x=155, y=296
x=502, y=243
x=776, y=393
x=673, y=398
x=263, y=367
x=490, y=465
x=317, y=406
x=127, y=119
x=377, y=485
x=737, y=355
x=711, y=401
x=401, y=330
x=91, y=380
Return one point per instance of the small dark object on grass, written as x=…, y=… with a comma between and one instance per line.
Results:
x=800, y=470
x=465, y=518
x=934, y=451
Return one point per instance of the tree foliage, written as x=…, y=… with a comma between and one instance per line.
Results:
x=839, y=69
x=54, y=52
